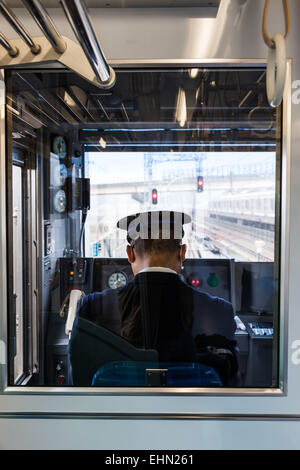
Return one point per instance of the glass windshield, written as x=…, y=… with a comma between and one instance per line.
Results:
x=150, y=222
x=231, y=196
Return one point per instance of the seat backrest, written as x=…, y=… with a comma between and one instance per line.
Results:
x=91, y=346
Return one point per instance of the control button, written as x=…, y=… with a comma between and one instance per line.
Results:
x=213, y=280
x=195, y=282
x=61, y=379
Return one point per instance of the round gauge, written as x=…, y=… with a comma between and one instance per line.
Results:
x=60, y=146
x=60, y=201
x=116, y=280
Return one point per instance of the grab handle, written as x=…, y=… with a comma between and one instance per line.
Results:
x=276, y=71
x=276, y=68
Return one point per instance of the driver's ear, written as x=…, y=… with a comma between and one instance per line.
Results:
x=130, y=254
x=182, y=252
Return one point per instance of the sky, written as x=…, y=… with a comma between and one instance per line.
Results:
x=126, y=167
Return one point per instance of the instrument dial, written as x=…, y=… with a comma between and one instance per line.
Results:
x=116, y=280
x=60, y=146
x=60, y=201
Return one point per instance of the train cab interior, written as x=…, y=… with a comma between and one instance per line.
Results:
x=200, y=140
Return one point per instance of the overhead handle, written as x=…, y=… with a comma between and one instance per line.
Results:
x=276, y=68
x=276, y=71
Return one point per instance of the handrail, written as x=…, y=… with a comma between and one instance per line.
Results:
x=12, y=50
x=287, y=17
x=92, y=65
x=80, y=21
x=15, y=23
x=46, y=24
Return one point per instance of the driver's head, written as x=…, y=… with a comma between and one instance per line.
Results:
x=155, y=239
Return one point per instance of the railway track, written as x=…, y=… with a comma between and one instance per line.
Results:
x=236, y=244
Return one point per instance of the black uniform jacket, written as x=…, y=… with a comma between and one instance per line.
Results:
x=158, y=310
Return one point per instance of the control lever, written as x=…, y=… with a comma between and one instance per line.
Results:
x=239, y=324
x=75, y=296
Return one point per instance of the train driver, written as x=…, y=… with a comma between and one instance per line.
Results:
x=157, y=309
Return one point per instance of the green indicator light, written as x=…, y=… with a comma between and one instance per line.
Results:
x=213, y=280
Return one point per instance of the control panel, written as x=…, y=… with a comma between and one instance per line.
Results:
x=260, y=329
x=111, y=273
x=95, y=275
x=259, y=371
x=76, y=273
x=209, y=275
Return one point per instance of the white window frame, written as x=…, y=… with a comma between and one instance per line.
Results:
x=116, y=402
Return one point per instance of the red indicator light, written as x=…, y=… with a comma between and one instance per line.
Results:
x=154, y=196
x=195, y=282
x=200, y=184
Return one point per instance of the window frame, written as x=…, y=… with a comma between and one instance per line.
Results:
x=281, y=250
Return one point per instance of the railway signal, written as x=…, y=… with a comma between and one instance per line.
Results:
x=200, y=184
x=154, y=196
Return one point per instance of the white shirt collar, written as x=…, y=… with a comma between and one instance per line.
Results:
x=158, y=269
